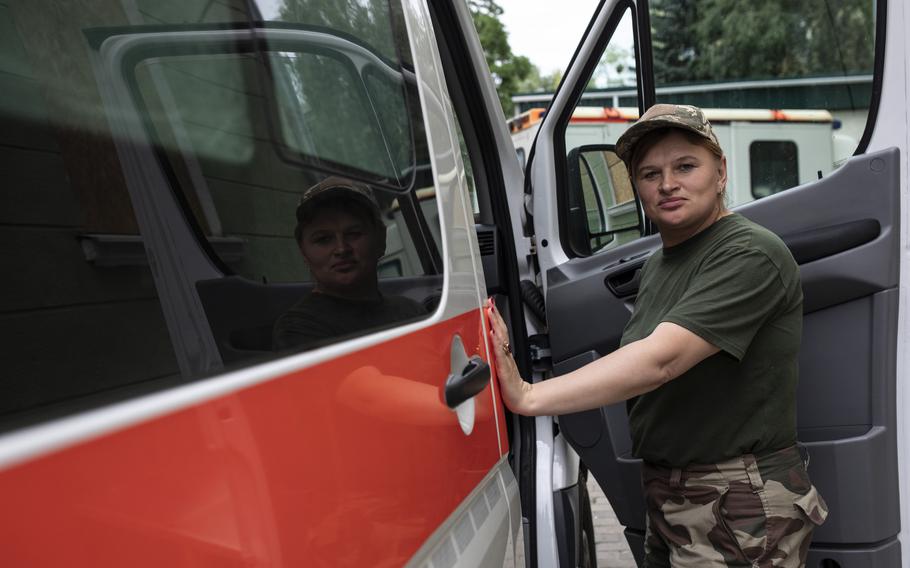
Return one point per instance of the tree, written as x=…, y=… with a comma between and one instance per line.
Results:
x=511, y=73
x=616, y=68
x=674, y=53
x=535, y=82
x=367, y=20
x=711, y=40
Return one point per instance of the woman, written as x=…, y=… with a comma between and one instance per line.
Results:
x=341, y=238
x=710, y=359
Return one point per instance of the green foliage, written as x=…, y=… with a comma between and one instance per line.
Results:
x=535, y=82
x=367, y=20
x=489, y=7
x=673, y=40
x=710, y=40
x=511, y=73
x=615, y=69
x=363, y=122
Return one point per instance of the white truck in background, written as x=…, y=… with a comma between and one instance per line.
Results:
x=780, y=148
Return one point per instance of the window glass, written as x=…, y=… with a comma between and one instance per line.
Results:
x=79, y=309
x=333, y=113
x=468, y=170
x=610, y=215
x=346, y=110
x=815, y=59
x=608, y=197
x=795, y=71
x=251, y=182
x=276, y=178
x=773, y=166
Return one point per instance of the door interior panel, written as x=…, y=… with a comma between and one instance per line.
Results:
x=844, y=231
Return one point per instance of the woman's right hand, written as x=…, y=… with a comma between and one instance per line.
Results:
x=516, y=393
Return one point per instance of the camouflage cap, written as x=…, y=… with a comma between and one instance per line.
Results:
x=663, y=116
x=336, y=186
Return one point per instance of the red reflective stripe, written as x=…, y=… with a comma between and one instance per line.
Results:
x=353, y=462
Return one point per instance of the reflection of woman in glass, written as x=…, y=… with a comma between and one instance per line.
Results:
x=341, y=237
x=709, y=359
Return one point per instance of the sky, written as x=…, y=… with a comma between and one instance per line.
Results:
x=546, y=31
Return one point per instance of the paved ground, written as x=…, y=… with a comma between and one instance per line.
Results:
x=612, y=549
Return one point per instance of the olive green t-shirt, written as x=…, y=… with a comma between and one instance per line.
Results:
x=735, y=285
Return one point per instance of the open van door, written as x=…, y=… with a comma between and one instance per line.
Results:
x=844, y=231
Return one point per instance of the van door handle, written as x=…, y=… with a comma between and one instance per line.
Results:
x=466, y=384
x=468, y=376
x=625, y=283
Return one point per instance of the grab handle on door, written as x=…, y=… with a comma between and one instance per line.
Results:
x=625, y=283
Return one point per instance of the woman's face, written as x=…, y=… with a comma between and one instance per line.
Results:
x=681, y=186
x=342, y=250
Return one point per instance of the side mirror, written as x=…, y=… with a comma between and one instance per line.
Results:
x=603, y=208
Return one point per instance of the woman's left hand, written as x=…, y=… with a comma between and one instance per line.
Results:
x=516, y=393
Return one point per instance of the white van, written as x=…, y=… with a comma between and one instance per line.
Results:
x=154, y=154
x=785, y=148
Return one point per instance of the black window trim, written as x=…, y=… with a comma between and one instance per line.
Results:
x=878, y=74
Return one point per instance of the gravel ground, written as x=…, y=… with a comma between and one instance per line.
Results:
x=612, y=549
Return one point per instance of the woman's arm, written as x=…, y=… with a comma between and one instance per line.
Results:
x=634, y=369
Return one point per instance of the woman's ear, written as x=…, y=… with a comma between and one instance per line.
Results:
x=722, y=173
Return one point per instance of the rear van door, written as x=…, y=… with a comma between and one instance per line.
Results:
x=845, y=231
x=154, y=155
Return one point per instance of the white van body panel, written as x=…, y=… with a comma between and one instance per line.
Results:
x=893, y=129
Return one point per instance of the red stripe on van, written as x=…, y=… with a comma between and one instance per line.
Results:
x=354, y=462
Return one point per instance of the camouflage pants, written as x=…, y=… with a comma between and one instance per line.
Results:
x=745, y=511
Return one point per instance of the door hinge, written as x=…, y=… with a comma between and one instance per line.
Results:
x=539, y=347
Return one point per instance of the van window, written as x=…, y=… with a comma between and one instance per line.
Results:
x=800, y=72
x=773, y=166
x=254, y=179
x=156, y=158
x=592, y=130
x=814, y=59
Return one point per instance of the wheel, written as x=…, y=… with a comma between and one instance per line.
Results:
x=587, y=554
